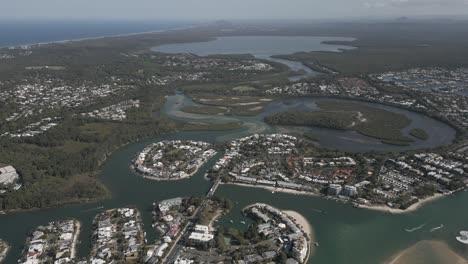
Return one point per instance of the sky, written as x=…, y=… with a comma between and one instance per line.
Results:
x=226, y=9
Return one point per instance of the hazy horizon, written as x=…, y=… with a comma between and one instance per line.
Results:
x=230, y=10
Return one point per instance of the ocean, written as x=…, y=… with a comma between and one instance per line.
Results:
x=14, y=33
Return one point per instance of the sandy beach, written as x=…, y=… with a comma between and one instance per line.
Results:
x=272, y=189
x=75, y=239
x=66, y=41
x=412, y=208
x=307, y=227
x=381, y=208
x=427, y=252
x=213, y=219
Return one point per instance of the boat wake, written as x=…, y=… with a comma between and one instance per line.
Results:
x=436, y=228
x=93, y=209
x=409, y=230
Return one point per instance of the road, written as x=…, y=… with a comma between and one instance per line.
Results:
x=175, y=248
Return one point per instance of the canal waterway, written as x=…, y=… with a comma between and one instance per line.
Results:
x=345, y=234
x=439, y=133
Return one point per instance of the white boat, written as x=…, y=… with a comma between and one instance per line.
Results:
x=463, y=238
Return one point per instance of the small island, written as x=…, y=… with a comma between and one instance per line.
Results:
x=419, y=134
x=366, y=120
x=172, y=160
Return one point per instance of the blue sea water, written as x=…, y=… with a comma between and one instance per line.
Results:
x=13, y=33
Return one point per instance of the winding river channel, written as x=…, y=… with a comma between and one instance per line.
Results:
x=345, y=234
x=439, y=133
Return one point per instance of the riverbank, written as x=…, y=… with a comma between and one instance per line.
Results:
x=272, y=189
x=5, y=250
x=425, y=251
x=380, y=208
x=307, y=228
x=213, y=220
x=66, y=41
x=412, y=208
x=75, y=239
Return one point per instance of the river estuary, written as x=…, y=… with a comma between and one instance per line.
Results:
x=345, y=234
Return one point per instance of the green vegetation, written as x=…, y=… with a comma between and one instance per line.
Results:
x=61, y=166
x=204, y=110
x=236, y=105
x=311, y=136
x=425, y=190
x=334, y=120
x=396, y=143
x=244, y=88
x=366, y=120
x=389, y=46
x=419, y=133
x=215, y=207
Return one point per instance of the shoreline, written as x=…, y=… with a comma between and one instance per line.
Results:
x=190, y=175
x=272, y=189
x=65, y=41
x=412, y=208
x=4, y=253
x=75, y=239
x=381, y=208
x=306, y=227
x=213, y=220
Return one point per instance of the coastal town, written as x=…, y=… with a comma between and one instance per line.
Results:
x=189, y=233
x=169, y=218
x=172, y=160
x=118, y=236
x=53, y=243
x=117, y=112
x=74, y=117
x=283, y=166
x=417, y=94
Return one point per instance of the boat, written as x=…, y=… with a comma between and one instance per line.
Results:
x=437, y=228
x=92, y=209
x=463, y=238
x=319, y=211
x=409, y=230
x=230, y=221
x=242, y=222
x=316, y=244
